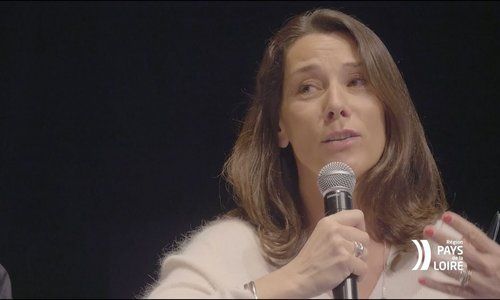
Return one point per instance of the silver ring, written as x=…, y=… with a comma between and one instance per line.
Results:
x=464, y=277
x=359, y=249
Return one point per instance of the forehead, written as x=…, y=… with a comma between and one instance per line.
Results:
x=335, y=46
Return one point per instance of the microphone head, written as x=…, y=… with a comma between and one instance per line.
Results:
x=336, y=176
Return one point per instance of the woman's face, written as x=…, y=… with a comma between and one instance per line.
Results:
x=329, y=111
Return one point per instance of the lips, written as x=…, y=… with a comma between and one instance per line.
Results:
x=340, y=135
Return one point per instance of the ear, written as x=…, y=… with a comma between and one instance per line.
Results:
x=283, y=140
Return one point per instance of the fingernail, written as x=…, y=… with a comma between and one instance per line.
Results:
x=429, y=232
x=421, y=281
x=447, y=218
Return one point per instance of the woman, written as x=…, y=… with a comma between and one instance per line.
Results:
x=5, y=288
x=328, y=90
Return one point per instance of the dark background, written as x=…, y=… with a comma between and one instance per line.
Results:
x=116, y=119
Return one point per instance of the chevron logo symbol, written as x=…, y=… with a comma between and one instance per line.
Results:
x=424, y=255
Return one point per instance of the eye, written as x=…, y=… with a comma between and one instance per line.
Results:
x=357, y=82
x=307, y=89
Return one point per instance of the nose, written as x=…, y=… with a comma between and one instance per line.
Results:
x=336, y=106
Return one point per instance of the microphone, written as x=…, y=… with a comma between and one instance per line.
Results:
x=336, y=182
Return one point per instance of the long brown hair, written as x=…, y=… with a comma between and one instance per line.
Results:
x=403, y=191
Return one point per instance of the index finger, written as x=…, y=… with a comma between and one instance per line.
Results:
x=351, y=217
x=470, y=232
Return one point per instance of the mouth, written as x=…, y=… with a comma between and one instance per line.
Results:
x=339, y=136
x=337, y=139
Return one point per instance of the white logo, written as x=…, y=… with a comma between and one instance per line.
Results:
x=449, y=256
x=427, y=255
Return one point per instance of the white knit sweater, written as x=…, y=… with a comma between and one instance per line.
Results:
x=219, y=258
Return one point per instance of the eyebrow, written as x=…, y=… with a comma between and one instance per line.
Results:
x=315, y=66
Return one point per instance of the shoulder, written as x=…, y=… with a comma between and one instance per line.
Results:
x=5, y=286
x=226, y=248
x=214, y=260
x=220, y=235
x=226, y=228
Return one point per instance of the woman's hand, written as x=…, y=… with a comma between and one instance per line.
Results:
x=482, y=257
x=326, y=259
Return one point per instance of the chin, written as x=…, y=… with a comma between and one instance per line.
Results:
x=356, y=168
x=360, y=164
x=355, y=165
x=350, y=162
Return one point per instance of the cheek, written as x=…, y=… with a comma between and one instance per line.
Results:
x=300, y=126
x=299, y=123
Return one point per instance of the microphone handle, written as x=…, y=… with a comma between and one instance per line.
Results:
x=347, y=289
x=336, y=201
